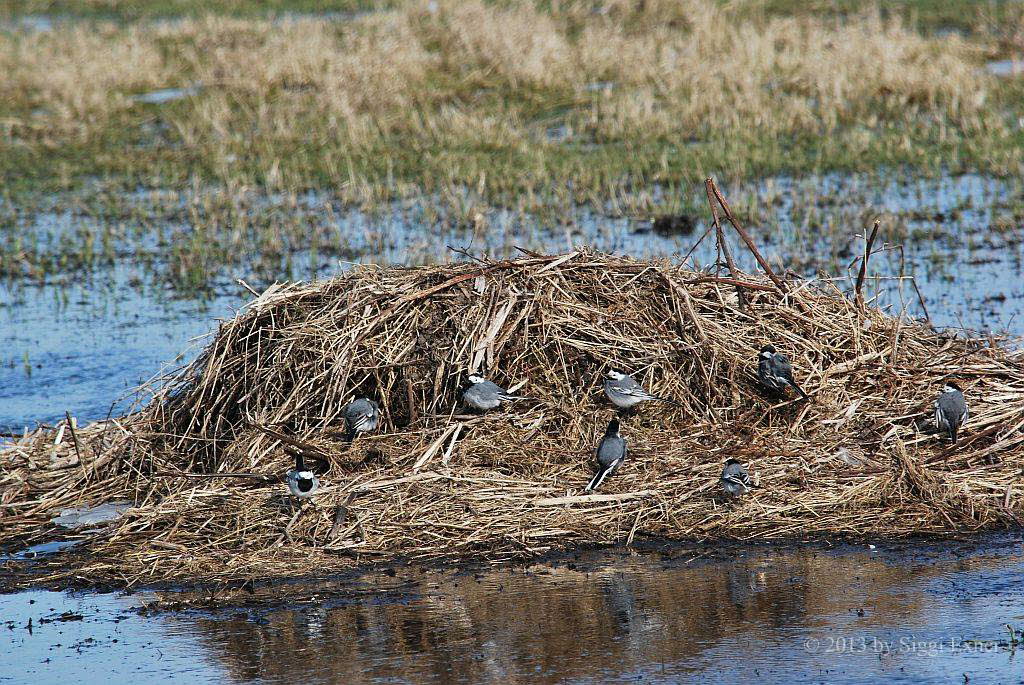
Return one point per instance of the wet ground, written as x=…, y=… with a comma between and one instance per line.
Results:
x=891, y=613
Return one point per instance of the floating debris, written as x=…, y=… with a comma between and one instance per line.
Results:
x=91, y=516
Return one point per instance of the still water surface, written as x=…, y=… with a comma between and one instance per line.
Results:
x=853, y=614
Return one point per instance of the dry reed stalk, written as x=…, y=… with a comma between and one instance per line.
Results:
x=709, y=188
x=862, y=274
x=433, y=485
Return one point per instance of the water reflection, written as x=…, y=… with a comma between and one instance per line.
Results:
x=780, y=616
x=893, y=614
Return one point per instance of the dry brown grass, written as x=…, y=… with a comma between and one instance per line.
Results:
x=857, y=460
x=393, y=90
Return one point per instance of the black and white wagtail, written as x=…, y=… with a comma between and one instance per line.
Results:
x=951, y=410
x=626, y=393
x=735, y=479
x=775, y=371
x=361, y=416
x=483, y=395
x=302, y=482
x=611, y=452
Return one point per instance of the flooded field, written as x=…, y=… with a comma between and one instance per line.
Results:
x=92, y=328
x=165, y=161
x=921, y=613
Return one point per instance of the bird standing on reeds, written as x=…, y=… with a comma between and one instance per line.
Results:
x=302, y=482
x=775, y=371
x=483, y=395
x=951, y=410
x=611, y=452
x=735, y=479
x=361, y=416
x=625, y=393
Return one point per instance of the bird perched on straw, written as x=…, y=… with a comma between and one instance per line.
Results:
x=951, y=410
x=361, y=416
x=775, y=372
x=611, y=452
x=735, y=479
x=302, y=482
x=625, y=393
x=483, y=395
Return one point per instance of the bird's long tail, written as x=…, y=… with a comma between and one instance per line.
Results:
x=505, y=397
x=598, y=478
x=953, y=430
x=602, y=473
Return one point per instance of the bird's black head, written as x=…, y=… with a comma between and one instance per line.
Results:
x=613, y=427
x=730, y=461
x=950, y=383
x=768, y=349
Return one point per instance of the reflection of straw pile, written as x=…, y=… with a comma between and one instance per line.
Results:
x=431, y=485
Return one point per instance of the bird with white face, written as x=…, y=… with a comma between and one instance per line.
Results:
x=483, y=395
x=611, y=452
x=735, y=479
x=625, y=393
x=302, y=482
x=361, y=416
x=951, y=410
x=775, y=372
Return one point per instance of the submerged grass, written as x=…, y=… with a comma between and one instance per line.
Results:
x=433, y=484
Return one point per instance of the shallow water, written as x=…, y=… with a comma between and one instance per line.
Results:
x=83, y=348
x=159, y=97
x=895, y=613
x=83, y=340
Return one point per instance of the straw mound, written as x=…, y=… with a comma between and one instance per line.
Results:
x=859, y=459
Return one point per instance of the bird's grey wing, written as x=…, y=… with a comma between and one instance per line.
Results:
x=623, y=451
x=628, y=383
x=783, y=369
x=364, y=418
x=492, y=388
x=736, y=474
x=952, y=408
x=771, y=373
x=961, y=408
x=355, y=409
x=610, y=449
x=629, y=387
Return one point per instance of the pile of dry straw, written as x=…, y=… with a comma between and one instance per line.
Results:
x=857, y=460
